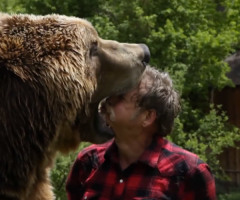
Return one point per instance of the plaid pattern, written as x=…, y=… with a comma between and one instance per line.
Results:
x=164, y=172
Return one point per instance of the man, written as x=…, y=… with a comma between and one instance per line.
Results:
x=139, y=163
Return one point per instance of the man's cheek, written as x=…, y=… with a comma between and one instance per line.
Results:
x=112, y=115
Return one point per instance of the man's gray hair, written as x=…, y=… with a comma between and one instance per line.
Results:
x=160, y=95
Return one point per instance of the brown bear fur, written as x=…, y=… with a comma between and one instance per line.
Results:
x=54, y=70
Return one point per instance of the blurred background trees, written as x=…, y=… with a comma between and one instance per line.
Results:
x=189, y=39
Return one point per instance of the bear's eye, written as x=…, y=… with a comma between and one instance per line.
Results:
x=94, y=49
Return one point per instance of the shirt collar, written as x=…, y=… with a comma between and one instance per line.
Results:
x=150, y=156
x=112, y=152
x=153, y=152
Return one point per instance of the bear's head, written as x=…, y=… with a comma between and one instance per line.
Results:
x=54, y=71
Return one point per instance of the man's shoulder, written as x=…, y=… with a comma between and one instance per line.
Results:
x=94, y=151
x=175, y=159
x=174, y=149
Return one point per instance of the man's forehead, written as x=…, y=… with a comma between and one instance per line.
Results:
x=142, y=88
x=133, y=93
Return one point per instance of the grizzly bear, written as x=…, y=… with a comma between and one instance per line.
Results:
x=54, y=71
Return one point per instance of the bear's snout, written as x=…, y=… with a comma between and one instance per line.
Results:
x=147, y=54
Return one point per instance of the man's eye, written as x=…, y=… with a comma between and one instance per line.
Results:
x=94, y=49
x=121, y=97
x=115, y=99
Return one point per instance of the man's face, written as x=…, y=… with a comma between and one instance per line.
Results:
x=122, y=110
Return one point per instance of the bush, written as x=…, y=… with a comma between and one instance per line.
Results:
x=60, y=172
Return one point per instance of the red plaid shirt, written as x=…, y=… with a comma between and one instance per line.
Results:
x=164, y=172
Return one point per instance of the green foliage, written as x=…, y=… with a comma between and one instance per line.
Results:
x=83, y=8
x=60, y=171
x=233, y=194
x=10, y=6
x=212, y=135
x=105, y=27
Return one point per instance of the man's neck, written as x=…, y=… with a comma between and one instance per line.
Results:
x=130, y=149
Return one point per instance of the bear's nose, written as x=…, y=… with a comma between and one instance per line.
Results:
x=147, y=54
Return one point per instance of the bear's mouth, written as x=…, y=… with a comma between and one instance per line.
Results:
x=92, y=127
x=95, y=127
x=102, y=132
x=100, y=126
x=91, y=123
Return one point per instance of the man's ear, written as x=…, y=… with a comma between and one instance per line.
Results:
x=150, y=117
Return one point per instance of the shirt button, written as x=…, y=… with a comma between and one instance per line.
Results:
x=120, y=181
